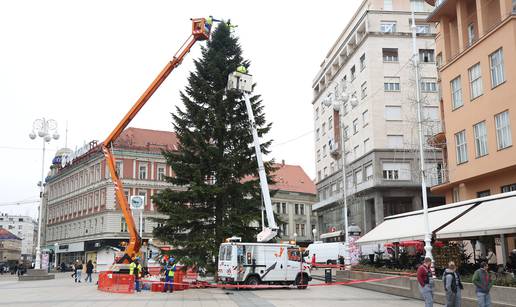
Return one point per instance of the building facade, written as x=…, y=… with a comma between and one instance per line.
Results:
x=82, y=215
x=475, y=47
x=371, y=62
x=10, y=247
x=293, y=195
x=25, y=228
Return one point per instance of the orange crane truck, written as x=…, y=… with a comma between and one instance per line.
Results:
x=201, y=29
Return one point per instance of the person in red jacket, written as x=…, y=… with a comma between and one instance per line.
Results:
x=426, y=282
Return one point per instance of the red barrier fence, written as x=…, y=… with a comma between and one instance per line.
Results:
x=116, y=283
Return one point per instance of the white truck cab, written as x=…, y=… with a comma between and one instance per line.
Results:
x=262, y=263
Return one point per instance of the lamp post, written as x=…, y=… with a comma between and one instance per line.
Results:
x=338, y=101
x=56, y=247
x=47, y=130
x=314, y=231
x=415, y=59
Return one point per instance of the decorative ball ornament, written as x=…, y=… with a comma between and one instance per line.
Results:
x=32, y=135
x=55, y=136
x=47, y=138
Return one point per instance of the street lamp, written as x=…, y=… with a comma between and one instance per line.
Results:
x=338, y=99
x=56, y=246
x=314, y=231
x=47, y=130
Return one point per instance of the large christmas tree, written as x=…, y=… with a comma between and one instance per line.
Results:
x=215, y=154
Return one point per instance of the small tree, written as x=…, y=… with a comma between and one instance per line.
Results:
x=215, y=157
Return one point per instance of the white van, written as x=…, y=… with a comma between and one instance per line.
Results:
x=325, y=252
x=262, y=263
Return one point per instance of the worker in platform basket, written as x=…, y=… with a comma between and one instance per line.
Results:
x=135, y=268
x=170, y=269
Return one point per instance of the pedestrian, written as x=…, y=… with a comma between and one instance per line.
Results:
x=452, y=286
x=426, y=282
x=313, y=261
x=89, y=271
x=135, y=268
x=74, y=272
x=170, y=269
x=491, y=260
x=78, y=271
x=512, y=257
x=483, y=283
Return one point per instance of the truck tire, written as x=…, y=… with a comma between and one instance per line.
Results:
x=301, y=281
x=252, y=281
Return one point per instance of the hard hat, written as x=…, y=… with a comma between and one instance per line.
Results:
x=171, y=259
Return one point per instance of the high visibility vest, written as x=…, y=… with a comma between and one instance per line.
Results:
x=131, y=268
x=241, y=69
x=209, y=21
x=171, y=270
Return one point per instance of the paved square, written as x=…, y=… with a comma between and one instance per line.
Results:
x=64, y=292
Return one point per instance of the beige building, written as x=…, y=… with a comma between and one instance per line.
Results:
x=476, y=47
x=371, y=60
x=10, y=247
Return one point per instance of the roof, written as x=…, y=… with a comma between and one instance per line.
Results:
x=291, y=178
x=7, y=235
x=146, y=139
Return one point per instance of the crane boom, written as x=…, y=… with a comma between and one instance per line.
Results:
x=200, y=31
x=243, y=82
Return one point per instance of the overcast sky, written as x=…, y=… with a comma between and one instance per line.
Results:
x=86, y=62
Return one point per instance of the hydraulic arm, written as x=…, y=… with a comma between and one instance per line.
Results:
x=243, y=82
x=200, y=31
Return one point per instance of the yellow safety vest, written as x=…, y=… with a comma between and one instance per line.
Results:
x=241, y=69
x=171, y=271
x=209, y=21
x=132, y=266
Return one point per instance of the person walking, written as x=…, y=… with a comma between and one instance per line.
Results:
x=89, y=271
x=135, y=268
x=426, y=282
x=483, y=284
x=78, y=271
x=170, y=269
x=452, y=286
x=74, y=269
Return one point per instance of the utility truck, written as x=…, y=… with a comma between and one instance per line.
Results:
x=262, y=262
x=325, y=252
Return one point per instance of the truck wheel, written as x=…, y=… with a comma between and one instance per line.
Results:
x=252, y=281
x=301, y=281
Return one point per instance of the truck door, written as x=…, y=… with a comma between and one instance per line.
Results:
x=275, y=263
x=294, y=264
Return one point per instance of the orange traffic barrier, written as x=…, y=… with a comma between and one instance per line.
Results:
x=116, y=283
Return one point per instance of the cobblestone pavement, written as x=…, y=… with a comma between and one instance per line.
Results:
x=64, y=292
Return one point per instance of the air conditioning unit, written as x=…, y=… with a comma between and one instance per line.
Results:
x=334, y=149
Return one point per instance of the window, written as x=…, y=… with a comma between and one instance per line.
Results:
x=318, y=155
x=353, y=75
x=123, y=225
x=284, y=229
x=161, y=173
x=369, y=172
x=396, y=171
x=363, y=90
x=503, y=130
x=144, y=194
x=426, y=55
x=325, y=171
x=296, y=209
x=355, y=126
x=301, y=209
x=508, y=188
x=319, y=176
x=324, y=151
x=323, y=128
x=395, y=141
x=392, y=112
x=388, y=26
x=346, y=132
x=300, y=230
x=422, y=29
x=483, y=193
x=387, y=5
x=418, y=5
x=367, y=145
x=475, y=81
x=461, y=147
x=332, y=167
x=456, y=194
x=356, y=152
x=428, y=85
x=358, y=176
x=143, y=172
x=365, y=118
x=391, y=84
x=471, y=34
x=456, y=91
x=480, y=133
x=431, y=113
x=284, y=208
x=362, y=62
x=317, y=113
x=317, y=134
x=496, y=63
x=330, y=123
x=390, y=54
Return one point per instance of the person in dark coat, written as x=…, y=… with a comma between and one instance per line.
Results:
x=89, y=271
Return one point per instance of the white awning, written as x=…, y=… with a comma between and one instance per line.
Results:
x=332, y=234
x=411, y=226
x=492, y=217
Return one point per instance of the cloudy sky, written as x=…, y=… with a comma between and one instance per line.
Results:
x=84, y=63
